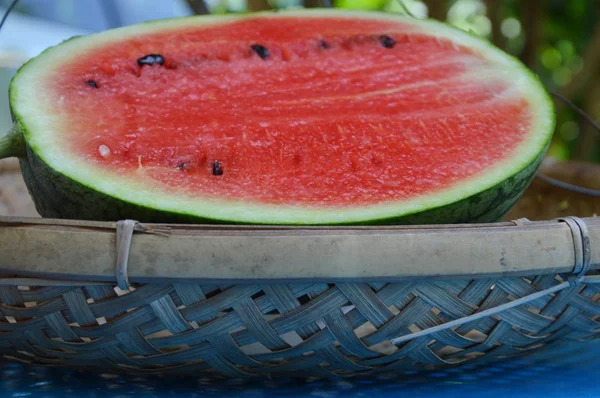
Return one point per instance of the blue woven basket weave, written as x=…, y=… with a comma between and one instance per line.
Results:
x=268, y=301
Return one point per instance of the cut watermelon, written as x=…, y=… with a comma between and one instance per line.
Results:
x=304, y=117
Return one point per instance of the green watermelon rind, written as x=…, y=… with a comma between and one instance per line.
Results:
x=62, y=195
x=56, y=196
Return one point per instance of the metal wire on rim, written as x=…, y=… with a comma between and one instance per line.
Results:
x=576, y=278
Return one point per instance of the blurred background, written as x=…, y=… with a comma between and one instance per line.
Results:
x=557, y=39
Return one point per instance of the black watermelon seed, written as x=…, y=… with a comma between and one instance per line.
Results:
x=387, y=41
x=182, y=165
x=151, y=59
x=261, y=51
x=324, y=44
x=92, y=83
x=217, y=169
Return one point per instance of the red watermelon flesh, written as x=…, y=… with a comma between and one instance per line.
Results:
x=303, y=117
x=330, y=117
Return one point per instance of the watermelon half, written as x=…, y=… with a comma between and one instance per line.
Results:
x=301, y=117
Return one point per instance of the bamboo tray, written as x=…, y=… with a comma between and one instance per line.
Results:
x=265, y=301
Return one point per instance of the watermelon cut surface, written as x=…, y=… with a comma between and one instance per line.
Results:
x=305, y=117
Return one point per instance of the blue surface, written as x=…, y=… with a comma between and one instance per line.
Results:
x=571, y=370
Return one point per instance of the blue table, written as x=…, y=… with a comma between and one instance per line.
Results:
x=569, y=370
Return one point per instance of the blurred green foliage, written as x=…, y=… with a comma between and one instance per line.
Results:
x=558, y=39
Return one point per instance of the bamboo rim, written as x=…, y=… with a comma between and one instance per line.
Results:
x=86, y=251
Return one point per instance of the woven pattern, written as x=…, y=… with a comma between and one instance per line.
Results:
x=293, y=329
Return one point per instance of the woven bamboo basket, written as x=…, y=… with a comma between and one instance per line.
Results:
x=264, y=301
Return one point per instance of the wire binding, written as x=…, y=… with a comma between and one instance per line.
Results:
x=125, y=230
x=577, y=277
